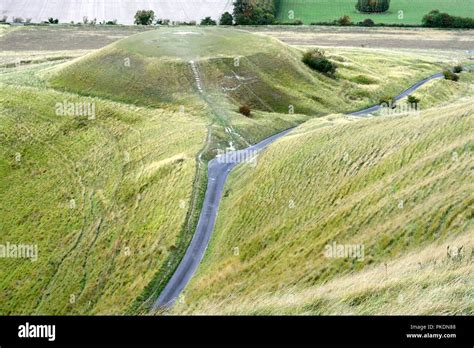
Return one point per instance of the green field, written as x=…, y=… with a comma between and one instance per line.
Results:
x=399, y=186
x=412, y=10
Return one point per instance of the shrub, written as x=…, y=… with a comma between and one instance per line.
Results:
x=412, y=100
x=163, y=21
x=144, y=17
x=457, y=69
x=316, y=60
x=372, y=6
x=85, y=20
x=114, y=22
x=436, y=19
x=298, y=22
x=449, y=75
x=53, y=21
x=367, y=23
x=226, y=19
x=387, y=100
x=17, y=20
x=245, y=110
x=208, y=21
x=344, y=20
x=4, y=19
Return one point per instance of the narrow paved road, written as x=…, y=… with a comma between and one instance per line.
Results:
x=218, y=170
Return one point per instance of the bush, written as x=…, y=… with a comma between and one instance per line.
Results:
x=208, y=21
x=367, y=23
x=53, y=21
x=412, y=100
x=344, y=20
x=316, y=60
x=4, y=19
x=387, y=100
x=436, y=19
x=245, y=110
x=17, y=20
x=163, y=21
x=449, y=75
x=144, y=17
x=226, y=19
x=114, y=22
x=457, y=69
x=372, y=6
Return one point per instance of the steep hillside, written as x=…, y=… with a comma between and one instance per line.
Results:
x=103, y=198
x=392, y=192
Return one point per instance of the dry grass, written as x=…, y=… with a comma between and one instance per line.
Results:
x=395, y=185
x=425, y=281
x=422, y=39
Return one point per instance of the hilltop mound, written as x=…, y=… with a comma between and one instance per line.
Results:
x=174, y=65
x=179, y=65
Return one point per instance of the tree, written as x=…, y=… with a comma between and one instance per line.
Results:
x=144, y=17
x=436, y=19
x=248, y=13
x=371, y=6
x=208, y=21
x=226, y=19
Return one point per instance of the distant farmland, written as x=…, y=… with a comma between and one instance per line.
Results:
x=121, y=10
x=400, y=12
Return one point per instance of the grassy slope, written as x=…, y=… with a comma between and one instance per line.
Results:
x=151, y=81
x=270, y=77
x=404, y=189
x=413, y=10
x=127, y=172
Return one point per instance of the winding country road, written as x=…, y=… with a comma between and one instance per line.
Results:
x=218, y=171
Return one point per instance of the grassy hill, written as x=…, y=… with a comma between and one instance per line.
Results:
x=413, y=10
x=94, y=195
x=400, y=187
x=111, y=201
x=236, y=68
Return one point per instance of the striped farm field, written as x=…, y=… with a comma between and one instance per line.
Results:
x=400, y=12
